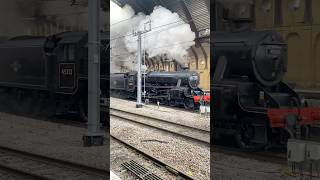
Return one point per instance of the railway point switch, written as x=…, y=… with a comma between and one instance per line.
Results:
x=303, y=154
x=296, y=151
x=313, y=157
x=313, y=151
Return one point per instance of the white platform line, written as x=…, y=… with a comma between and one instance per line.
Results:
x=113, y=176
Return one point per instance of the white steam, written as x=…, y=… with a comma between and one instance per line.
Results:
x=122, y=21
x=119, y=14
x=38, y=17
x=169, y=35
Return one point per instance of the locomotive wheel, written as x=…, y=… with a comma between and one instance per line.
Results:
x=244, y=135
x=188, y=104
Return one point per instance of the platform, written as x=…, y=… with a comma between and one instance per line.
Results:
x=51, y=139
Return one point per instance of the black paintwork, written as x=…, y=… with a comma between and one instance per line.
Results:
x=248, y=68
x=260, y=55
x=171, y=88
x=55, y=66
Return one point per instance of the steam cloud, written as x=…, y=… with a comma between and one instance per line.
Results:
x=122, y=21
x=20, y=17
x=12, y=15
x=169, y=35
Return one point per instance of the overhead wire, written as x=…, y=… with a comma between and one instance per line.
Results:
x=181, y=20
x=119, y=55
x=160, y=47
x=146, y=35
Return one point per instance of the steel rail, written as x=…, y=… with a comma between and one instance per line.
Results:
x=203, y=136
x=24, y=174
x=54, y=162
x=159, y=119
x=168, y=166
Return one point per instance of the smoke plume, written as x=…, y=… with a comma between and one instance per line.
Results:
x=13, y=16
x=169, y=35
x=122, y=21
x=32, y=17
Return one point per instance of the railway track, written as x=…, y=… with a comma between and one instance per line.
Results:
x=34, y=166
x=191, y=133
x=270, y=156
x=179, y=174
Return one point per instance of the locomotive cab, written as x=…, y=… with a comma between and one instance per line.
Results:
x=131, y=81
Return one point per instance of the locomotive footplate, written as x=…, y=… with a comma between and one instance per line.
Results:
x=294, y=120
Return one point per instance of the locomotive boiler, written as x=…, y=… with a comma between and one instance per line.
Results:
x=259, y=55
x=48, y=74
x=251, y=102
x=184, y=79
x=170, y=88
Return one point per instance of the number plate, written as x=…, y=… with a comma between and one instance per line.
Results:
x=67, y=75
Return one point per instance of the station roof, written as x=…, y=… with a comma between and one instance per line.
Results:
x=196, y=13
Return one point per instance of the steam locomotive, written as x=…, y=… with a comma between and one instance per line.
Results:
x=48, y=75
x=171, y=88
x=251, y=102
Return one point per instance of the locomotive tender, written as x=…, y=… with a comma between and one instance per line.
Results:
x=251, y=102
x=49, y=74
x=171, y=88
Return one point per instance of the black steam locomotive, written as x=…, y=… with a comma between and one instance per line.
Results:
x=48, y=75
x=170, y=88
x=251, y=102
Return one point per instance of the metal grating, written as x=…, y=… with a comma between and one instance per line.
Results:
x=140, y=171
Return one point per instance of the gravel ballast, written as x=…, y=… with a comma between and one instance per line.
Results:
x=187, y=157
x=166, y=113
x=121, y=154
